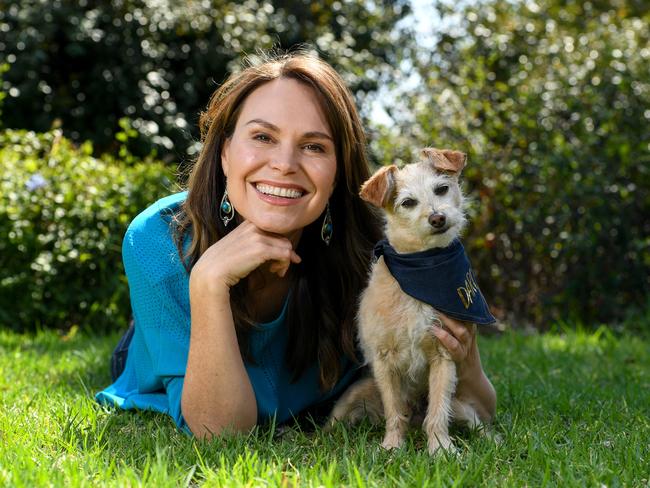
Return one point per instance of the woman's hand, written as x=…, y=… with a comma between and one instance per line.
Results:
x=238, y=253
x=459, y=339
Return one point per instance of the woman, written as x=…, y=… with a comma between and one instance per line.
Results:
x=244, y=287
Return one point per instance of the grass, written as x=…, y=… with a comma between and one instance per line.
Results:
x=573, y=411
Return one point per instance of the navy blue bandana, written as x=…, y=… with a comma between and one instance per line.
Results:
x=441, y=277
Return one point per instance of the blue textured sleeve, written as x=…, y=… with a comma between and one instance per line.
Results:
x=159, y=289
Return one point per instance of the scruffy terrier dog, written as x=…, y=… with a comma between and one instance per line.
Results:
x=421, y=267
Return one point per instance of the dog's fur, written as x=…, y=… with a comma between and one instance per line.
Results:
x=409, y=366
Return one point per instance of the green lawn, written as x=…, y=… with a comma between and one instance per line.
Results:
x=573, y=411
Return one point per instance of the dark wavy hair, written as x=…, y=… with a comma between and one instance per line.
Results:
x=325, y=286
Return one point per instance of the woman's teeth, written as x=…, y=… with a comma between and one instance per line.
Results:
x=278, y=192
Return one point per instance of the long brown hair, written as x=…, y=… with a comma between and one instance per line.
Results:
x=326, y=284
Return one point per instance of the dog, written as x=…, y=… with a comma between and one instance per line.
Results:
x=424, y=210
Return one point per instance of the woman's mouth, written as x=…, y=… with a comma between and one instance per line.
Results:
x=279, y=191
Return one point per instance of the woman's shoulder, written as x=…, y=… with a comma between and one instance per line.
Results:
x=158, y=216
x=149, y=240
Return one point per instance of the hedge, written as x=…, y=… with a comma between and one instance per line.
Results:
x=87, y=64
x=63, y=214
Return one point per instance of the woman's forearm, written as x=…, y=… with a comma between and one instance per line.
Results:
x=474, y=385
x=217, y=393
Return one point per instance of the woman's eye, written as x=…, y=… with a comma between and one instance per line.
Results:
x=441, y=190
x=262, y=137
x=314, y=148
x=408, y=203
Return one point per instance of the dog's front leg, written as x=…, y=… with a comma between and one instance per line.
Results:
x=442, y=384
x=396, y=407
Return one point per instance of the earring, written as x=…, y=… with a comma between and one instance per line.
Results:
x=327, y=229
x=226, y=212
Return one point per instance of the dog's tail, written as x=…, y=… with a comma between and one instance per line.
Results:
x=361, y=400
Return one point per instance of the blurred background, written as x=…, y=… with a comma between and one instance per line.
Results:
x=99, y=103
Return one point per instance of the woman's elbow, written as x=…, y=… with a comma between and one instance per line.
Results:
x=206, y=425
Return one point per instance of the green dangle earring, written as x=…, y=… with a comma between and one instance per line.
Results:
x=226, y=211
x=327, y=228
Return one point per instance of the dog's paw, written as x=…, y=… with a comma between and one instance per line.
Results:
x=438, y=443
x=486, y=431
x=329, y=424
x=392, y=440
x=493, y=436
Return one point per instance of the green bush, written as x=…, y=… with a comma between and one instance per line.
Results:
x=63, y=214
x=3, y=67
x=88, y=64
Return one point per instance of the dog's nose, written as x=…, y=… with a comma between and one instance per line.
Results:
x=437, y=220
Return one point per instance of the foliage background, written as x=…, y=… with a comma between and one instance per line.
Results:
x=87, y=64
x=550, y=99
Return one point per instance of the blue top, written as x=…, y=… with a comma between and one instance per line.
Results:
x=155, y=367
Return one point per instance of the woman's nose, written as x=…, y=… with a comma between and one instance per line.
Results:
x=285, y=160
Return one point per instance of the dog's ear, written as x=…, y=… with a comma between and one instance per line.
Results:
x=445, y=160
x=379, y=189
x=456, y=158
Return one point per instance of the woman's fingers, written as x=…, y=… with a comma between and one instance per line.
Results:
x=451, y=344
x=281, y=266
x=243, y=250
x=281, y=255
x=462, y=331
x=456, y=336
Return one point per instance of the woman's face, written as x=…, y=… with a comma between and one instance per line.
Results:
x=280, y=161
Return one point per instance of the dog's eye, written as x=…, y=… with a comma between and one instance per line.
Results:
x=409, y=202
x=441, y=190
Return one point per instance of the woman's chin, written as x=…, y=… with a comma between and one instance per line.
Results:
x=279, y=228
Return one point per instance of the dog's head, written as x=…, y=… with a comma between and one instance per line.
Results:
x=422, y=202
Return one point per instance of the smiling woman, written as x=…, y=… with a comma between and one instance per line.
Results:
x=244, y=287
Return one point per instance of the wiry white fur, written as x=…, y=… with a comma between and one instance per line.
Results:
x=407, y=229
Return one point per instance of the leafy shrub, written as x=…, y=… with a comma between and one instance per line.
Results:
x=63, y=214
x=3, y=67
x=89, y=63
